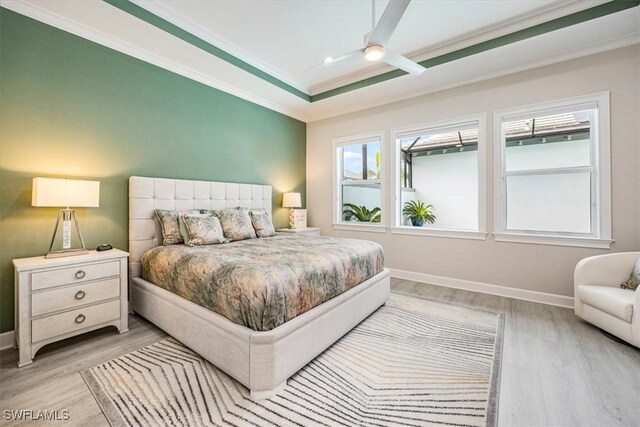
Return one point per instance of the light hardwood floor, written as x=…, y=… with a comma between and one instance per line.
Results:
x=556, y=369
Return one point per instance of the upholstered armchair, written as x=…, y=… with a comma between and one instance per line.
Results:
x=599, y=299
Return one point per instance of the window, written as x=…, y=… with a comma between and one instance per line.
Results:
x=442, y=166
x=359, y=166
x=554, y=172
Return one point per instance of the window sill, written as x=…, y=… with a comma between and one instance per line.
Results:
x=453, y=234
x=580, y=242
x=360, y=226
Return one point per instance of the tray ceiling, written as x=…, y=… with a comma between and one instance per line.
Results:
x=290, y=37
x=272, y=44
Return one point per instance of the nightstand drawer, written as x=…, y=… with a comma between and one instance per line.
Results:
x=71, y=275
x=71, y=321
x=74, y=296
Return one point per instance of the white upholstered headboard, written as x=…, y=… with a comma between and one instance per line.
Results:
x=147, y=194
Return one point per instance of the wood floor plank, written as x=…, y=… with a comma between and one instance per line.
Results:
x=567, y=401
x=521, y=398
x=517, y=348
x=600, y=359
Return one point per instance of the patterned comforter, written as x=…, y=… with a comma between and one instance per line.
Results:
x=263, y=283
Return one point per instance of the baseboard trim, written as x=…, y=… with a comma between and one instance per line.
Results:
x=485, y=288
x=6, y=340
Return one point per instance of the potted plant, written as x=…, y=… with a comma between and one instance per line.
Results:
x=418, y=212
x=353, y=212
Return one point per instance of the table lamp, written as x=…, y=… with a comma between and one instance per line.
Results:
x=66, y=193
x=291, y=200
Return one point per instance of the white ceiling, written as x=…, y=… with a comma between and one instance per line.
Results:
x=283, y=38
x=290, y=37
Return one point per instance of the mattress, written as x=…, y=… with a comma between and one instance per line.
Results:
x=263, y=283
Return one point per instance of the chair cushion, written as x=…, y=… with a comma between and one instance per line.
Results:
x=614, y=301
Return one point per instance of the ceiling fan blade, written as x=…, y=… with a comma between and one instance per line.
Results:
x=403, y=63
x=351, y=55
x=388, y=22
x=348, y=56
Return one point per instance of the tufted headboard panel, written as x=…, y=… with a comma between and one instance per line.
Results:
x=148, y=194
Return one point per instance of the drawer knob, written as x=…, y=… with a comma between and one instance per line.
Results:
x=80, y=274
x=80, y=318
x=80, y=294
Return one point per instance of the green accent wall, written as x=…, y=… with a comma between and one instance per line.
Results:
x=73, y=108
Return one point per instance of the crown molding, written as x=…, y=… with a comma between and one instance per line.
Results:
x=179, y=33
x=298, y=108
x=550, y=12
x=551, y=26
x=472, y=38
x=567, y=55
x=163, y=11
x=34, y=11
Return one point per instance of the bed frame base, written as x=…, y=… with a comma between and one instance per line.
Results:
x=268, y=394
x=260, y=360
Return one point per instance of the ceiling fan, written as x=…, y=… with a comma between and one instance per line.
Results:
x=375, y=41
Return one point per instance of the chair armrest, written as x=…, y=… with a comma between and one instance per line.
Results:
x=605, y=270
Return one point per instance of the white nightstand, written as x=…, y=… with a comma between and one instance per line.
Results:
x=61, y=297
x=308, y=231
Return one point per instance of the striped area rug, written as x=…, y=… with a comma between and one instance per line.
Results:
x=413, y=362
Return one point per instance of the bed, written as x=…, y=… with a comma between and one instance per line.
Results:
x=261, y=360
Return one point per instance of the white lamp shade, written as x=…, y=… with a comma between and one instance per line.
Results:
x=291, y=200
x=65, y=193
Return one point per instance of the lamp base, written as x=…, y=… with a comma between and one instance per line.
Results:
x=291, y=219
x=64, y=253
x=66, y=215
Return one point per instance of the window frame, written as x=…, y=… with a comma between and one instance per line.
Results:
x=338, y=222
x=395, y=215
x=600, y=170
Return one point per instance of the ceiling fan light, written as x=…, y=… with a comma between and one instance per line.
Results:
x=373, y=52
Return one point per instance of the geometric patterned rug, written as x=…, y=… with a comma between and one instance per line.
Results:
x=413, y=362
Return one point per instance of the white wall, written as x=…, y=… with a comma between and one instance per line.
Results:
x=523, y=266
x=450, y=183
x=546, y=156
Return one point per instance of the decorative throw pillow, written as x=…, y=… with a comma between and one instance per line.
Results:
x=634, y=279
x=170, y=225
x=183, y=227
x=236, y=224
x=202, y=230
x=214, y=212
x=262, y=223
